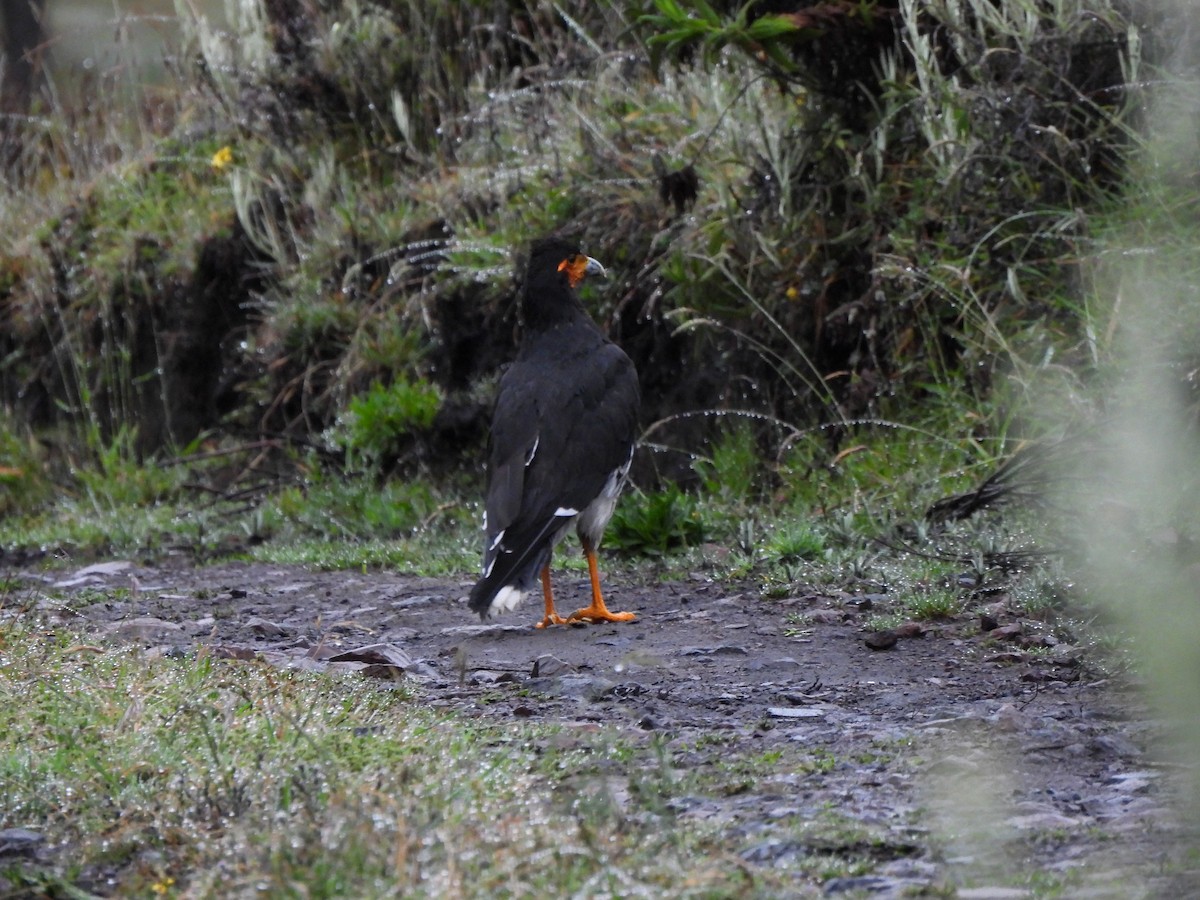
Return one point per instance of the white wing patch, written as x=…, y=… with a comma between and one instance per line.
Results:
x=566, y=511
x=532, y=451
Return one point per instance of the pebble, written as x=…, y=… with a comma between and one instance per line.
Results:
x=265, y=628
x=772, y=851
x=869, y=884
x=796, y=712
x=547, y=665
x=723, y=650
x=1045, y=820
x=19, y=842
x=881, y=640
x=143, y=627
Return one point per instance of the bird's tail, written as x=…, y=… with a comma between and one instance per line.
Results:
x=487, y=599
x=511, y=576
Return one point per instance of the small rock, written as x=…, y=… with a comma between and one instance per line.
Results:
x=240, y=653
x=825, y=617
x=867, y=601
x=481, y=630
x=911, y=869
x=295, y=587
x=1067, y=655
x=143, y=627
x=264, y=628
x=723, y=650
x=1007, y=632
x=410, y=602
x=1010, y=718
x=867, y=884
x=987, y=622
x=796, y=712
x=584, y=687
x=94, y=573
x=771, y=851
x=547, y=665
x=1006, y=657
x=882, y=640
x=629, y=689
x=782, y=812
x=1045, y=820
x=1133, y=782
x=19, y=842
x=1112, y=745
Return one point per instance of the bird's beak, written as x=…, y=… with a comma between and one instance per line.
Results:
x=578, y=266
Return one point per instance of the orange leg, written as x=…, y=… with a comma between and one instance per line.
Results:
x=597, y=612
x=552, y=617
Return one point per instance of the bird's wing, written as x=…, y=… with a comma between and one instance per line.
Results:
x=555, y=442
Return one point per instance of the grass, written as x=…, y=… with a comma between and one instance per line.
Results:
x=893, y=295
x=193, y=776
x=368, y=234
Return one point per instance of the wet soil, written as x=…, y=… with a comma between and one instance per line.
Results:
x=971, y=758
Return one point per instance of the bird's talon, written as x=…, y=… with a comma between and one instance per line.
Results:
x=595, y=616
x=552, y=620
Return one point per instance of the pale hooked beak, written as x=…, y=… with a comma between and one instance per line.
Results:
x=594, y=268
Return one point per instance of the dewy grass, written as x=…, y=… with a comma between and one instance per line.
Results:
x=940, y=603
x=196, y=777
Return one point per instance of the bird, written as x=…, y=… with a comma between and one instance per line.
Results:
x=563, y=431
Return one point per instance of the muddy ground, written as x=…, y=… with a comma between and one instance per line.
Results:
x=1005, y=766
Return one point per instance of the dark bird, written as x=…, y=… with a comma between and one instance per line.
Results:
x=562, y=439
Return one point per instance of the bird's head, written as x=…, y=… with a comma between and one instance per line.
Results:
x=551, y=258
x=577, y=265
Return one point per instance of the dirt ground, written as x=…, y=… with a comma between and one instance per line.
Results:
x=972, y=761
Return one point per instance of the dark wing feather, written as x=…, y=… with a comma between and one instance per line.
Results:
x=563, y=423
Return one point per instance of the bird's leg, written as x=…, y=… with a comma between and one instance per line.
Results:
x=552, y=617
x=597, y=612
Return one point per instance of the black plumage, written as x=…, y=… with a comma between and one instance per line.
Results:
x=562, y=438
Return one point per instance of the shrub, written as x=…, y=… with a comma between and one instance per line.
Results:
x=378, y=422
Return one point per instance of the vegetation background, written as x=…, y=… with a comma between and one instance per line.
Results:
x=257, y=282
x=858, y=238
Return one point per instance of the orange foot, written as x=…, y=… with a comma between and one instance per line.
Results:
x=598, y=612
x=552, y=617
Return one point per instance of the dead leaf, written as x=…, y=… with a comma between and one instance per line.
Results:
x=376, y=654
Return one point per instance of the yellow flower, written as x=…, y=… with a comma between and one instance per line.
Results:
x=791, y=293
x=161, y=887
x=222, y=158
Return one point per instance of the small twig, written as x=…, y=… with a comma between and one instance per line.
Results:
x=268, y=443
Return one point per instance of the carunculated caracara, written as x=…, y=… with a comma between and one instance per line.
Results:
x=562, y=438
